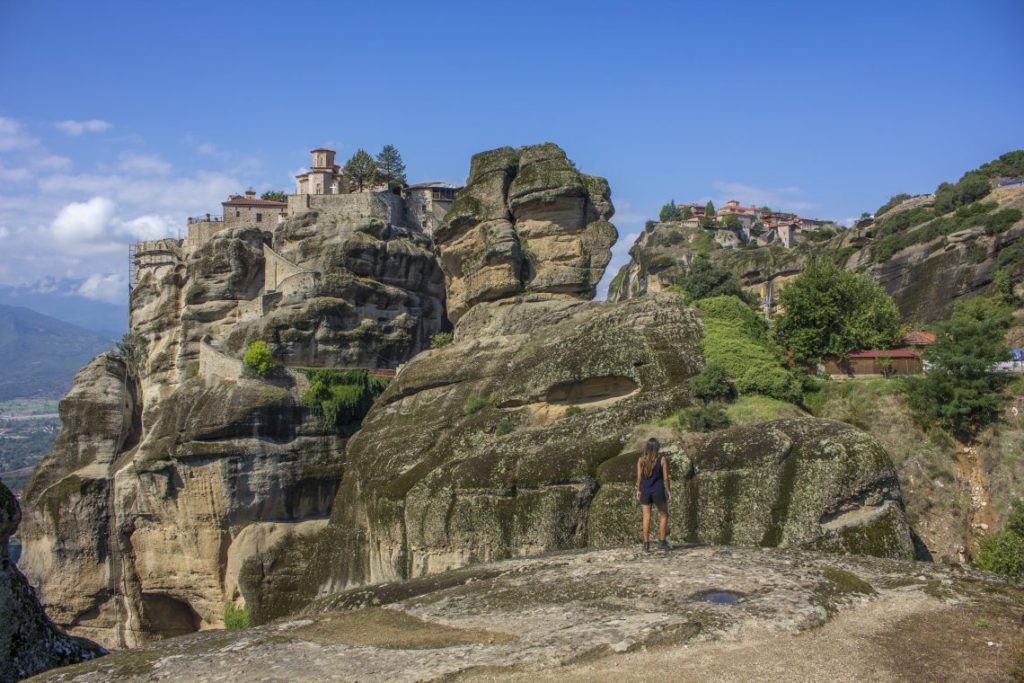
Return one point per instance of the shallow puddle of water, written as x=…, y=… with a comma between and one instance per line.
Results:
x=719, y=597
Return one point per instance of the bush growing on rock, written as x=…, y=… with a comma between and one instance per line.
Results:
x=441, y=339
x=705, y=418
x=235, y=618
x=1003, y=553
x=259, y=358
x=704, y=280
x=713, y=384
x=342, y=397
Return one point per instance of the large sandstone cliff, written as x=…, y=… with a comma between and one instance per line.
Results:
x=174, y=465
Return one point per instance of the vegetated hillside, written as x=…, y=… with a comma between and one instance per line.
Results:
x=926, y=251
x=42, y=354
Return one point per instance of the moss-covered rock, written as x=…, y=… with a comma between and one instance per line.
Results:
x=799, y=482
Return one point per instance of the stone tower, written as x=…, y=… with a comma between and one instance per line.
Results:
x=323, y=177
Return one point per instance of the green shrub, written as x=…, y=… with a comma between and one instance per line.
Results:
x=895, y=200
x=474, y=404
x=736, y=339
x=342, y=397
x=259, y=358
x=705, y=418
x=713, y=384
x=441, y=339
x=235, y=618
x=506, y=426
x=703, y=280
x=1003, y=553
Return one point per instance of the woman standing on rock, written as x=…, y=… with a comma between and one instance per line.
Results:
x=652, y=487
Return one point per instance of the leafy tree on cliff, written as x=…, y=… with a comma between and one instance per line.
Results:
x=686, y=213
x=360, y=171
x=390, y=167
x=961, y=391
x=704, y=280
x=831, y=312
x=274, y=196
x=732, y=222
x=670, y=212
x=709, y=209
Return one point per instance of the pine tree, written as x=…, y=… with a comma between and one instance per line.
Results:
x=709, y=209
x=390, y=166
x=360, y=171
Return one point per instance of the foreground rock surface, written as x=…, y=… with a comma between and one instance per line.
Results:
x=29, y=642
x=697, y=613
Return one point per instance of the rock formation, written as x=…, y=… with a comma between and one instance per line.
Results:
x=175, y=465
x=527, y=221
x=518, y=437
x=180, y=483
x=29, y=642
x=925, y=277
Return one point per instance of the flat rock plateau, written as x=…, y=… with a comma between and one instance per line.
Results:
x=698, y=613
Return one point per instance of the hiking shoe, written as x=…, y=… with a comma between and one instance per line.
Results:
x=647, y=548
x=663, y=545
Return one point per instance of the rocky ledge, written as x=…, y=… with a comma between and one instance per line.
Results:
x=715, y=613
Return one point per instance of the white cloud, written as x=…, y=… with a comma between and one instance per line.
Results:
x=109, y=287
x=207, y=149
x=148, y=227
x=4, y=232
x=76, y=128
x=778, y=198
x=52, y=162
x=83, y=221
x=148, y=164
x=14, y=175
x=13, y=136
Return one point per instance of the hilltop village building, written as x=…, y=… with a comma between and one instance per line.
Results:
x=756, y=226
x=322, y=189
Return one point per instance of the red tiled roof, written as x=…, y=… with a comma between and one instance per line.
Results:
x=919, y=338
x=884, y=353
x=239, y=200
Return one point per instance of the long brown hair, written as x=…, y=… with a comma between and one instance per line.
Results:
x=649, y=456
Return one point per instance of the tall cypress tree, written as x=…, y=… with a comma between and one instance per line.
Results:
x=390, y=166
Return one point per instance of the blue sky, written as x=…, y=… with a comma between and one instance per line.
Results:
x=119, y=119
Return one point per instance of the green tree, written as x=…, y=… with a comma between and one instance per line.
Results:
x=962, y=390
x=732, y=222
x=1002, y=287
x=830, y=312
x=360, y=170
x=686, y=213
x=259, y=358
x=712, y=384
x=704, y=280
x=274, y=196
x=390, y=167
x=709, y=209
x=1003, y=553
x=669, y=212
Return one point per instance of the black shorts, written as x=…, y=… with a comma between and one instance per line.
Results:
x=652, y=498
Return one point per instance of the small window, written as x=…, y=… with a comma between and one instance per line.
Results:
x=259, y=218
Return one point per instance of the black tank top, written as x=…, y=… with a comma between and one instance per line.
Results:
x=655, y=481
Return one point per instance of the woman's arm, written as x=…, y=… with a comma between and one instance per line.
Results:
x=664, y=472
x=638, y=475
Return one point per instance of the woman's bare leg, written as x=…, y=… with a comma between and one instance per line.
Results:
x=647, y=522
x=662, y=521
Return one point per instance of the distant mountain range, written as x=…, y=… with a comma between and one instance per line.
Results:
x=41, y=354
x=59, y=298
